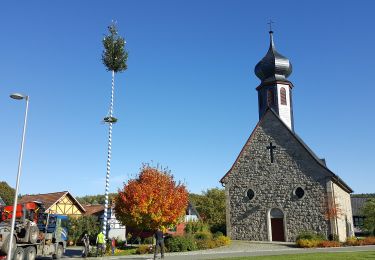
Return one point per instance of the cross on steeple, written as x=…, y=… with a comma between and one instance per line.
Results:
x=270, y=24
x=271, y=147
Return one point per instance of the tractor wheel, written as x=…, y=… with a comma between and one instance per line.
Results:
x=59, y=252
x=5, y=247
x=30, y=253
x=33, y=234
x=18, y=254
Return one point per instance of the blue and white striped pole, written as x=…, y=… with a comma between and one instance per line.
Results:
x=108, y=157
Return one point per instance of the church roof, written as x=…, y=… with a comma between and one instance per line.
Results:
x=334, y=177
x=273, y=66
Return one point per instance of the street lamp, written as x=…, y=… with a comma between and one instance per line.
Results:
x=17, y=96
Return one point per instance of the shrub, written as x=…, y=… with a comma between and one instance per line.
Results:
x=143, y=249
x=203, y=235
x=309, y=235
x=201, y=240
x=129, y=251
x=222, y=241
x=333, y=237
x=219, y=227
x=206, y=244
x=368, y=241
x=352, y=241
x=218, y=234
x=327, y=243
x=180, y=244
x=308, y=243
x=193, y=227
x=92, y=251
x=148, y=240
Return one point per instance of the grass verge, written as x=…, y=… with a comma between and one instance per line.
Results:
x=363, y=255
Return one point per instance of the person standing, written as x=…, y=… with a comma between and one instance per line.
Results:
x=159, y=237
x=99, y=243
x=113, y=245
x=86, y=244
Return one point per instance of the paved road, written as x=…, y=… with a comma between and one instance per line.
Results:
x=236, y=249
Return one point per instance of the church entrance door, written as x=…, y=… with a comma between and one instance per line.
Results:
x=277, y=225
x=277, y=229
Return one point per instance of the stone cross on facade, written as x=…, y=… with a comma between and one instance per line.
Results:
x=271, y=147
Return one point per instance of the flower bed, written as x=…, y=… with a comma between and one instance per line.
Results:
x=351, y=241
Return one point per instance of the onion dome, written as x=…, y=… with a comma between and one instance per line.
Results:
x=273, y=66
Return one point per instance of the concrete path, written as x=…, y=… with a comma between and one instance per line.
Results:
x=236, y=249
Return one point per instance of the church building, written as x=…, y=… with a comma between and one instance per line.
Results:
x=277, y=187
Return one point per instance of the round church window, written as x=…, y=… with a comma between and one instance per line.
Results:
x=250, y=194
x=299, y=192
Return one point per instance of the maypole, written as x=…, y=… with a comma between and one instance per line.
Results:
x=114, y=57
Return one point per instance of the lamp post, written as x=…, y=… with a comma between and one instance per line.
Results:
x=17, y=96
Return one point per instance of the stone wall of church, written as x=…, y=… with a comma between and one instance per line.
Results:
x=274, y=185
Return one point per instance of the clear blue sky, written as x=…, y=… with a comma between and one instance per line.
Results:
x=188, y=99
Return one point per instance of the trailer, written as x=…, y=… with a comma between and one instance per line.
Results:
x=35, y=233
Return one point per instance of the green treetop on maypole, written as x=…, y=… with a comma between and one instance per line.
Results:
x=114, y=56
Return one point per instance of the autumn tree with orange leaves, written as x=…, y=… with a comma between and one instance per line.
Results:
x=151, y=200
x=332, y=209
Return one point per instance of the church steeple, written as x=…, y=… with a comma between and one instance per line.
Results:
x=275, y=91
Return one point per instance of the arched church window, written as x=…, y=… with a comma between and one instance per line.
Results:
x=250, y=194
x=283, y=96
x=270, y=97
x=299, y=192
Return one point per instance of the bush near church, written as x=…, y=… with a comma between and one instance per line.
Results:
x=311, y=240
x=197, y=237
x=189, y=242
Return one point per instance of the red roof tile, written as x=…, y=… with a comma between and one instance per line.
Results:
x=93, y=209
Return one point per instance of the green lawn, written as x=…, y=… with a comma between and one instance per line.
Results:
x=315, y=256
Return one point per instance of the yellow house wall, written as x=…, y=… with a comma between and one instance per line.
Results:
x=65, y=206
